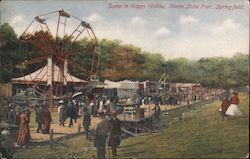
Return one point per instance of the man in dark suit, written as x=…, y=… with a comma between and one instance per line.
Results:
x=102, y=129
x=86, y=121
x=39, y=118
x=115, y=134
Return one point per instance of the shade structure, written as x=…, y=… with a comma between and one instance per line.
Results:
x=43, y=76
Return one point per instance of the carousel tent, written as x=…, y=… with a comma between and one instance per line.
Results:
x=44, y=76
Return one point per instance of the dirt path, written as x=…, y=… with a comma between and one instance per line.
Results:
x=60, y=131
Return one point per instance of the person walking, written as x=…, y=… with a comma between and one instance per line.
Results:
x=46, y=120
x=233, y=109
x=28, y=114
x=62, y=113
x=23, y=133
x=115, y=134
x=39, y=118
x=12, y=115
x=77, y=106
x=224, y=106
x=103, y=127
x=157, y=111
x=71, y=113
x=86, y=121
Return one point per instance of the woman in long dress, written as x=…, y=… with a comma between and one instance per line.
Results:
x=46, y=120
x=233, y=109
x=23, y=133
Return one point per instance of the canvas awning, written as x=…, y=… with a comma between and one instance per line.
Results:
x=42, y=76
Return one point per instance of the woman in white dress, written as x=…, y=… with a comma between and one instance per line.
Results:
x=233, y=109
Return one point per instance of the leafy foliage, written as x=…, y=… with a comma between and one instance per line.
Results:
x=211, y=72
x=9, y=54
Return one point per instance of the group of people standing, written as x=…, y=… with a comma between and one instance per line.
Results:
x=43, y=119
x=69, y=110
x=107, y=131
x=19, y=117
x=229, y=108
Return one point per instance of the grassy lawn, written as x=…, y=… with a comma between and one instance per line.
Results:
x=200, y=133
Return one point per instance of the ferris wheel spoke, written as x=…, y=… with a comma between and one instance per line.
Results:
x=48, y=13
x=41, y=47
x=46, y=41
x=34, y=60
x=86, y=49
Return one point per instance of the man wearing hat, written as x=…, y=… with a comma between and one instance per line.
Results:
x=39, y=117
x=12, y=115
x=86, y=121
x=103, y=127
x=115, y=134
x=61, y=112
x=71, y=113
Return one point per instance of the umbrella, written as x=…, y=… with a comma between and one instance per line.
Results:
x=77, y=94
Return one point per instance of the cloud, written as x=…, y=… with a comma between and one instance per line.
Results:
x=187, y=19
x=229, y=23
x=208, y=40
x=17, y=19
x=162, y=31
x=17, y=22
x=94, y=17
x=137, y=20
x=225, y=27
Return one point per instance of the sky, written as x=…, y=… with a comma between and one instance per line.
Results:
x=182, y=28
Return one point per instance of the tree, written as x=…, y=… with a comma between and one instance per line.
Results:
x=9, y=53
x=121, y=63
x=153, y=66
x=177, y=70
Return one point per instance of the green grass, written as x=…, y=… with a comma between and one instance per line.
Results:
x=200, y=133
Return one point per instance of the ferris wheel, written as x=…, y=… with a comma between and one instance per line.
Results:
x=60, y=37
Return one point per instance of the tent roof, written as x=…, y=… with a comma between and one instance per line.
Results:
x=126, y=84
x=41, y=76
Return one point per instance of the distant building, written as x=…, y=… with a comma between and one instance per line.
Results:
x=190, y=87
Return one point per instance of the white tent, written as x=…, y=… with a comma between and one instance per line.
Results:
x=111, y=84
x=126, y=84
x=124, y=88
x=44, y=76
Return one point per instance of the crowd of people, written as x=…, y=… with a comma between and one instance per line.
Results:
x=19, y=116
x=108, y=129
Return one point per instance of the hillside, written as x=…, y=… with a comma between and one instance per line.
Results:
x=200, y=134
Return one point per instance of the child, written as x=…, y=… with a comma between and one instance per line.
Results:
x=224, y=106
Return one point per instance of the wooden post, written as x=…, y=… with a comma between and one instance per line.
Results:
x=151, y=120
x=78, y=128
x=124, y=116
x=148, y=111
x=148, y=122
x=136, y=129
x=50, y=137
